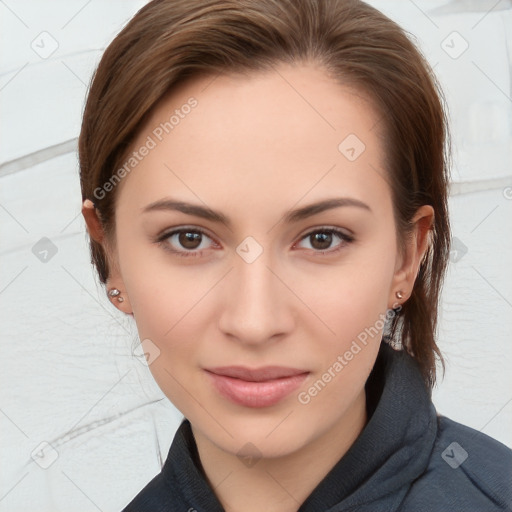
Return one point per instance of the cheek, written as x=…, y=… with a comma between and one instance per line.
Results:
x=162, y=293
x=171, y=307
x=351, y=297
x=352, y=304
x=346, y=343
x=171, y=316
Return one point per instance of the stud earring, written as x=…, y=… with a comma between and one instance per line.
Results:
x=399, y=295
x=114, y=292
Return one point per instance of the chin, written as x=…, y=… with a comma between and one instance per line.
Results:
x=265, y=435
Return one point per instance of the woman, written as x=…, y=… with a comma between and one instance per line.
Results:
x=265, y=189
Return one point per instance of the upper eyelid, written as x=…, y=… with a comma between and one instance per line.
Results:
x=328, y=228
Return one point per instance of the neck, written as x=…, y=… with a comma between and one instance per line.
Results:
x=279, y=484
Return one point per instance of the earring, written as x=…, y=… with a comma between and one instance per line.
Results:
x=114, y=292
x=399, y=295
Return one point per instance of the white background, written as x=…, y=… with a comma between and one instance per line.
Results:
x=67, y=375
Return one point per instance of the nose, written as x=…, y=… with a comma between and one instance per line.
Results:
x=258, y=306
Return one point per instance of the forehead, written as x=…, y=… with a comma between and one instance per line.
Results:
x=287, y=132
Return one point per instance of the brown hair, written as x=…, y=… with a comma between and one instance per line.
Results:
x=168, y=41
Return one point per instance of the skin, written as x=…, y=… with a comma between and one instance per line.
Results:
x=254, y=149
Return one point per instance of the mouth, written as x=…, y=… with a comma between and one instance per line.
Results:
x=259, y=387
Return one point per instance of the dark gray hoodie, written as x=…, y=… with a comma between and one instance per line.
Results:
x=406, y=459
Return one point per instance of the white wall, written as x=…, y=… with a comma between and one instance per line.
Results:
x=67, y=375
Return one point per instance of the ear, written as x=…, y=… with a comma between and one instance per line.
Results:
x=408, y=262
x=92, y=221
x=114, y=282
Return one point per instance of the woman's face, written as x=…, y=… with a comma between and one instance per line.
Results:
x=258, y=277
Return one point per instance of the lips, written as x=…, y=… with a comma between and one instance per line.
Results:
x=259, y=387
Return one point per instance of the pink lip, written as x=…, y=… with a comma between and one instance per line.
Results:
x=261, y=387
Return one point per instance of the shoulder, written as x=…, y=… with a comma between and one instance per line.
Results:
x=467, y=471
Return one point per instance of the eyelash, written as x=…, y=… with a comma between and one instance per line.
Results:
x=162, y=239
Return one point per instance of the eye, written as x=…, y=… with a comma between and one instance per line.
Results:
x=190, y=242
x=186, y=242
x=321, y=240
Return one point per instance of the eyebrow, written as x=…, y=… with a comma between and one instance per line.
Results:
x=290, y=217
